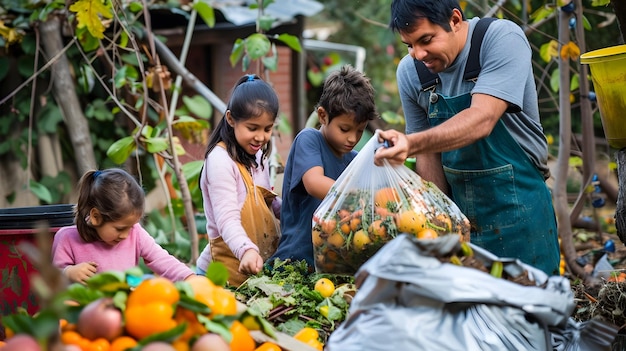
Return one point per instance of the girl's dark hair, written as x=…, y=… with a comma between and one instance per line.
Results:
x=251, y=97
x=406, y=13
x=348, y=91
x=113, y=192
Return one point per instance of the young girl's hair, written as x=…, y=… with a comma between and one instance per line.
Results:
x=113, y=192
x=251, y=97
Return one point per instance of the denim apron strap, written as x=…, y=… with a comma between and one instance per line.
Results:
x=501, y=192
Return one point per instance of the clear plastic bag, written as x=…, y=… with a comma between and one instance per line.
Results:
x=370, y=205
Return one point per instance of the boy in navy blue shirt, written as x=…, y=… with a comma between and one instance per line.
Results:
x=318, y=156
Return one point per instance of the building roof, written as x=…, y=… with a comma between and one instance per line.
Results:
x=238, y=12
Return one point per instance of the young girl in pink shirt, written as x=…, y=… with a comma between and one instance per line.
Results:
x=107, y=235
x=242, y=213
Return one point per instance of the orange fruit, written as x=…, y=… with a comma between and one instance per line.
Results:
x=202, y=288
x=355, y=224
x=193, y=326
x=427, y=233
x=152, y=290
x=317, y=238
x=71, y=337
x=329, y=226
x=345, y=228
x=377, y=230
x=307, y=333
x=386, y=195
x=100, y=344
x=223, y=302
x=180, y=345
x=336, y=240
x=411, y=222
x=148, y=319
x=122, y=343
x=8, y=332
x=325, y=287
x=360, y=240
x=242, y=340
x=316, y=344
x=268, y=346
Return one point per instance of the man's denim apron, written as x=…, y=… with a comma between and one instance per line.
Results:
x=501, y=192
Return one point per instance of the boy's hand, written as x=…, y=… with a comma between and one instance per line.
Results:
x=79, y=273
x=251, y=262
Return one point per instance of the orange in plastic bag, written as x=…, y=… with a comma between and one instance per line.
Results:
x=370, y=205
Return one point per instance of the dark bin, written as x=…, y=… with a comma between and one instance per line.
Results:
x=17, y=225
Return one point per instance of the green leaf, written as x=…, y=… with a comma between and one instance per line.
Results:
x=257, y=46
x=217, y=273
x=270, y=62
x=316, y=78
x=573, y=85
x=216, y=327
x=555, y=81
x=282, y=124
x=237, y=53
x=206, y=12
x=549, y=50
x=192, y=170
x=120, y=77
x=25, y=66
x=167, y=336
x=135, y=6
x=49, y=118
x=266, y=22
x=575, y=161
x=154, y=145
x=245, y=63
x=123, y=42
x=586, y=23
x=600, y=2
x=40, y=191
x=120, y=150
x=290, y=40
x=29, y=44
x=392, y=117
x=199, y=106
x=87, y=41
x=542, y=13
x=189, y=303
x=105, y=278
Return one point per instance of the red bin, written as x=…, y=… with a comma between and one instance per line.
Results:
x=17, y=225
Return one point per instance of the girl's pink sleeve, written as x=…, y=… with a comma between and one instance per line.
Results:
x=223, y=177
x=62, y=247
x=159, y=260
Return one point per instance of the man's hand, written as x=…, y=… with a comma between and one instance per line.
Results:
x=251, y=262
x=397, y=151
x=79, y=273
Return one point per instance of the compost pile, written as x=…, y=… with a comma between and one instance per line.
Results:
x=606, y=300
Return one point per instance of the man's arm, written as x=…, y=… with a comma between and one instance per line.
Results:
x=429, y=167
x=466, y=127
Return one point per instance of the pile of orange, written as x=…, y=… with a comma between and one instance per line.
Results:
x=153, y=307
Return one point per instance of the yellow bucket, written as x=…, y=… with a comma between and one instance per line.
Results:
x=608, y=73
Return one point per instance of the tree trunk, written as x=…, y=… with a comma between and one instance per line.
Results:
x=560, y=188
x=620, y=210
x=65, y=95
x=619, y=8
